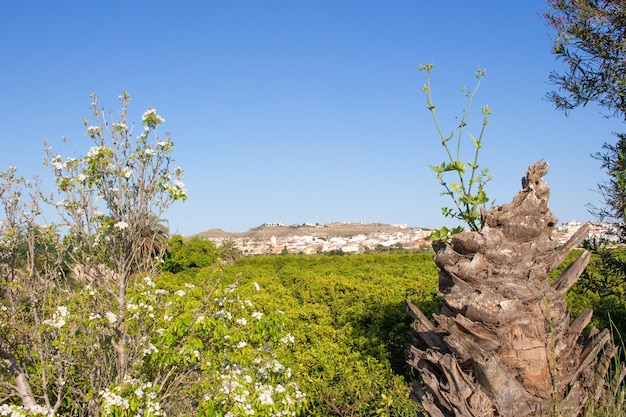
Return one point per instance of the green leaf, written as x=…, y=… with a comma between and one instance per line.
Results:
x=439, y=169
x=477, y=142
x=456, y=187
x=456, y=166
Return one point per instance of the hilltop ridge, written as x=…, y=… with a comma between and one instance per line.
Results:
x=339, y=229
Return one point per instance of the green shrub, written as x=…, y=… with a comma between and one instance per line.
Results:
x=346, y=314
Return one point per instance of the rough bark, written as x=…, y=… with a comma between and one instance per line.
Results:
x=502, y=343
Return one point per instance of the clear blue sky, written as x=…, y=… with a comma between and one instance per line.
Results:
x=300, y=111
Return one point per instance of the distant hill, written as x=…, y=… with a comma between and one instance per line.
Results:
x=323, y=230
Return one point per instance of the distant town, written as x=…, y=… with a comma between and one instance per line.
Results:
x=359, y=238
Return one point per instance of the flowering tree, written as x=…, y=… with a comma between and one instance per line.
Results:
x=84, y=329
x=106, y=198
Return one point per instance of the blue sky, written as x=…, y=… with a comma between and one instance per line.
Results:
x=307, y=111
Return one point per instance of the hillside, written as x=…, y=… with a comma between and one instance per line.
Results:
x=324, y=230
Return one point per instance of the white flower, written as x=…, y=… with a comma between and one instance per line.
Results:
x=180, y=293
x=150, y=349
x=265, y=396
x=151, y=114
x=149, y=151
x=121, y=225
x=111, y=399
x=57, y=163
x=190, y=286
x=81, y=177
x=94, y=316
x=95, y=150
x=287, y=339
x=277, y=366
x=161, y=144
x=147, y=114
x=111, y=317
x=127, y=173
x=58, y=318
x=242, y=344
x=257, y=315
x=90, y=289
x=92, y=131
x=242, y=321
x=257, y=286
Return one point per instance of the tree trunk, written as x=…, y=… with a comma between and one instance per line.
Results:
x=502, y=343
x=22, y=386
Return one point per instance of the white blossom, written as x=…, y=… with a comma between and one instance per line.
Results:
x=90, y=289
x=150, y=349
x=151, y=113
x=59, y=318
x=92, y=131
x=94, y=151
x=111, y=399
x=257, y=286
x=265, y=396
x=121, y=225
x=111, y=317
x=57, y=163
x=180, y=293
x=147, y=114
x=257, y=315
x=94, y=316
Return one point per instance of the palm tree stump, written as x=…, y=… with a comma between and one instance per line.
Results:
x=502, y=343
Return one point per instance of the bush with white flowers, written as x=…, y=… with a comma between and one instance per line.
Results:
x=87, y=327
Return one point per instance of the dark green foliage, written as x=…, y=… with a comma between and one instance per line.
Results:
x=590, y=43
x=613, y=191
x=602, y=287
x=193, y=253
